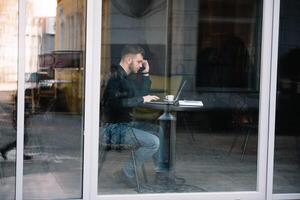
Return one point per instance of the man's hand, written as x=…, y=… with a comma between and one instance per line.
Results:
x=146, y=65
x=149, y=98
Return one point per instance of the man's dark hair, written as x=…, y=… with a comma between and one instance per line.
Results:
x=132, y=49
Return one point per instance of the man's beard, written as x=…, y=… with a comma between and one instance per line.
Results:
x=132, y=69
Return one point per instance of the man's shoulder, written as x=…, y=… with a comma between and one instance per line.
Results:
x=114, y=68
x=116, y=71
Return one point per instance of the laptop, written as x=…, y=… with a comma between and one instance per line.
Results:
x=176, y=98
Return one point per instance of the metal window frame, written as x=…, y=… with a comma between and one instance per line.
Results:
x=270, y=29
x=272, y=122
x=265, y=77
x=20, y=99
x=92, y=98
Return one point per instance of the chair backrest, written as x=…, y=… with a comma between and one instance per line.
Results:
x=104, y=144
x=241, y=114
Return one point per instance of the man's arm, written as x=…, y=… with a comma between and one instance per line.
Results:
x=147, y=83
x=149, y=98
x=141, y=84
x=115, y=98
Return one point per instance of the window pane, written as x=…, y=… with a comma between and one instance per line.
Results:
x=286, y=157
x=8, y=90
x=201, y=51
x=53, y=145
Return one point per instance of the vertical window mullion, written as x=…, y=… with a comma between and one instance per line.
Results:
x=264, y=104
x=271, y=141
x=92, y=98
x=20, y=99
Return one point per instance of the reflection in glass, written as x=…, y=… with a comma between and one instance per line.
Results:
x=286, y=157
x=53, y=150
x=214, y=47
x=8, y=90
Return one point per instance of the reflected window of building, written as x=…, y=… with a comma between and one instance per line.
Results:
x=287, y=129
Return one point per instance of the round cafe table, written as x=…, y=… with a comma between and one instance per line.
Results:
x=167, y=121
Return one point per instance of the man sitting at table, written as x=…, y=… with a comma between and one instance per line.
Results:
x=120, y=96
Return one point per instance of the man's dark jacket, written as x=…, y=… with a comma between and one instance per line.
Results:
x=122, y=93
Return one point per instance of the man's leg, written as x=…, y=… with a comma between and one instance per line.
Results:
x=13, y=145
x=26, y=156
x=159, y=158
x=149, y=145
x=7, y=148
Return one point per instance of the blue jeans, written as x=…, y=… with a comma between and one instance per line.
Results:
x=149, y=138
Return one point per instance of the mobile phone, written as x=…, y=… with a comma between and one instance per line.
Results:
x=142, y=69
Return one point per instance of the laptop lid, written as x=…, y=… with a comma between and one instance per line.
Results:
x=180, y=90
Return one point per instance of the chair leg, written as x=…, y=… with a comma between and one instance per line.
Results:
x=1, y=174
x=135, y=171
x=188, y=129
x=297, y=148
x=144, y=173
x=245, y=145
x=102, y=155
x=233, y=144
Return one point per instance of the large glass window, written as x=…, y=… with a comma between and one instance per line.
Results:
x=8, y=90
x=287, y=150
x=202, y=51
x=54, y=72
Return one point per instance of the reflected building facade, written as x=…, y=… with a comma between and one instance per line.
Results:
x=213, y=46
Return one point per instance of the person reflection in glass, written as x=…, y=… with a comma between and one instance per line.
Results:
x=13, y=144
x=120, y=96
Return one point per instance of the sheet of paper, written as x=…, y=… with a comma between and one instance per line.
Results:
x=190, y=103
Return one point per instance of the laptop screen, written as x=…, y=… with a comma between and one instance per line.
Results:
x=179, y=91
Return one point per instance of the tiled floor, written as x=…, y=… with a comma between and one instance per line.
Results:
x=205, y=164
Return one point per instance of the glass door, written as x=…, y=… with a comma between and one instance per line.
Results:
x=286, y=184
x=54, y=97
x=8, y=91
x=207, y=53
x=42, y=93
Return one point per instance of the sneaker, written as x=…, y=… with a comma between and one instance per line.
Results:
x=121, y=177
x=3, y=154
x=27, y=157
